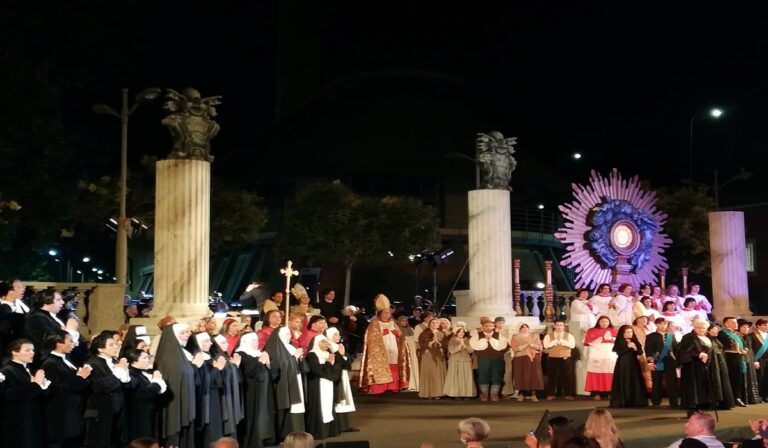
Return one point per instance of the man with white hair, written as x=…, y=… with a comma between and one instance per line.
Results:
x=700, y=426
x=353, y=326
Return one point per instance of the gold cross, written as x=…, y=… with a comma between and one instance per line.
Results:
x=288, y=272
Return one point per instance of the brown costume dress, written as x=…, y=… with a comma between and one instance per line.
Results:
x=526, y=364
x=432, y=369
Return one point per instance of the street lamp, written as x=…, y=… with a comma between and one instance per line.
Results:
x=714, y=113
x=121, y=246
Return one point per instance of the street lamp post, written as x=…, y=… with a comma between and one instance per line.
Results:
x=714, y=113
x=121, y=245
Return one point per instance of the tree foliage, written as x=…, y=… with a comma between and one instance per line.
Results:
x=328, y=222
x=688, y=226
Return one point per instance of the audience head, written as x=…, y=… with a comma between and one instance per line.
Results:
x=692, y=443
x=299, y=440
x=473, y=429
x=601, y=427
x=580, y=442
x=700, y=424
x=225, y=442
x=560, y=430
x=144, y=442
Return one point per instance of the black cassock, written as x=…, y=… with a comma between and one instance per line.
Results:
x=718, y=377
x=288, y=385
x=64, y=400
x=628, y=386
x=314, y=401
x=22, y=409
x=177, y=405
x=104, y=407
x=259, y=421
x=232, y=411
x=141, y=396
x=695, y=384
x=209, y=426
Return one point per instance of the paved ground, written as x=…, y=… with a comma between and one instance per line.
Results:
x=403, y=420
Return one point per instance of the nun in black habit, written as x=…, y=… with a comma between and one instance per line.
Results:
x=209, y=426
x=232, y=409
x=320, y=397
x=288, y=384
x=179, y=369
x=343, y=403
x=259, y=422
x=135, y=337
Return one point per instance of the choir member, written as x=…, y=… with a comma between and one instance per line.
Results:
x=320, y=398
x=602, y=299
x=135, y=337
x=259, y=403
x=411, y=342
x=657, y=299
x=43, y=320
x=583, y=311
x=622, y=305
x=489, y=347
x=67, y=385
x=673, y=295
x=104, y=408
x=317, y=325
x=12, y=314
x=676, y=324
x=179, y=368
x=230, y=329
x=22, y=400
x=80, y=353
x=702, y=303
x=141, y=394
x=272, y=320
x=628, y=386
x=601, y=359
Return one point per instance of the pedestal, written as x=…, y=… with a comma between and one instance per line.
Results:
x=490, y=254
x=727, y=246
x=182, y=234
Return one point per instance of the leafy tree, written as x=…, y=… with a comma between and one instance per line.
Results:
x=329, y=222
x=688, y=226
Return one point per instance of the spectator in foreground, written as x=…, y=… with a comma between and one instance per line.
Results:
x=299, y=440
x=601, y=427
x=473, y=431
x=144, y=442
x=700, y=426
x=226, y=442
x=560, y=430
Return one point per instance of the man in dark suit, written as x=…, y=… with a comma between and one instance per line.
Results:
x=661, y=353
x=22, y=401
x=43, y=320
x=67, y=384
x=12, y=312
x=104, y=410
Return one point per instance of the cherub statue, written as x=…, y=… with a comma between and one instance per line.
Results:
x=191, y=123
x=494, y=158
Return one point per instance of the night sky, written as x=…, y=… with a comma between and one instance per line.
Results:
x=617, y=84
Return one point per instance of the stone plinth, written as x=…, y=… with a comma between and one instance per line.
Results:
x=490, y=254
x=182, y=233
x=727, y=246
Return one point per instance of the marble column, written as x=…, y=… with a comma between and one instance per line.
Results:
x=727, y=246
x=490, y=253
x=182, y=232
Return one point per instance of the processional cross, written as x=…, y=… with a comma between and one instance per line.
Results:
x=288, y=272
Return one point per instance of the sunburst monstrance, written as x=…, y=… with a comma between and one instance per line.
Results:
x=613, y=230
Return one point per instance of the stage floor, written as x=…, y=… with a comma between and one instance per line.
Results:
x=404, y=420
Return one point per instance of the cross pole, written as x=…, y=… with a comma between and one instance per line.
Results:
x=288, y=272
